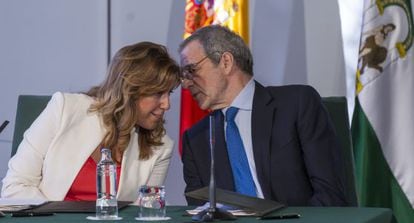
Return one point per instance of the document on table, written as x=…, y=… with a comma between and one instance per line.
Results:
x=233, y=210
x=10, y=204
x=261, y=207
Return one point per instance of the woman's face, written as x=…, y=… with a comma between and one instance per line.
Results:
x=150, y=109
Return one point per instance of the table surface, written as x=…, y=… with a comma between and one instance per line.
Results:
x=178, y=214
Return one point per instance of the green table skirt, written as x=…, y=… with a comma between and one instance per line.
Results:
x=178, y=214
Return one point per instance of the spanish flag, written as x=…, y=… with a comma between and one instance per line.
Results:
x=233, y=14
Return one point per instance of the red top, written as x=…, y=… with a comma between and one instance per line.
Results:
x=84, y=186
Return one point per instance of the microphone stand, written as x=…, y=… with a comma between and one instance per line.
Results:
x=3, y=125
x=212, y=212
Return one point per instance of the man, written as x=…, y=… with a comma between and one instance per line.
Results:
x=287, y=140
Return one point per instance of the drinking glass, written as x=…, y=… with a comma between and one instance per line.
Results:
x=151, y=202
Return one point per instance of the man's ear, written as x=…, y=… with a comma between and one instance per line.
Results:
x=227, y=61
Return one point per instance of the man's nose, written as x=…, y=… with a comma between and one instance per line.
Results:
x=185, y=83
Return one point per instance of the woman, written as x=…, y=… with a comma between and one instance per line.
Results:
x=57, y=158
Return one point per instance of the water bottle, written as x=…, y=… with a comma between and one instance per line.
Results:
x=106, y=203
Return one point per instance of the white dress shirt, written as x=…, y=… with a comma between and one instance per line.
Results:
x=243, y=120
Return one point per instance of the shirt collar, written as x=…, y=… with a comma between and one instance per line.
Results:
x=244, y=101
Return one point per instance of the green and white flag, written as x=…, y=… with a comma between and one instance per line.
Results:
x=383, y=120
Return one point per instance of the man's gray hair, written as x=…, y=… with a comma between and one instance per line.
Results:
x=216, y=40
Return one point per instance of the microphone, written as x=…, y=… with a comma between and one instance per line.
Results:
x=212, y=212
x=3, y=126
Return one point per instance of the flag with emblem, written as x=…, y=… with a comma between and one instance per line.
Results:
x=383, y=120
x=198, y=13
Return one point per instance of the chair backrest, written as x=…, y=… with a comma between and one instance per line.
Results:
x=28, y=108
x=338, y=110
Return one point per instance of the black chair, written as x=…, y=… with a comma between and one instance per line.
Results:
x=28, y=108
x=338, y=110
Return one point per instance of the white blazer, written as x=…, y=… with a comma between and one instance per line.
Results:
x=59, y=142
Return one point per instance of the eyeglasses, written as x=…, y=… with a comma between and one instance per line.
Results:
x=187, y=72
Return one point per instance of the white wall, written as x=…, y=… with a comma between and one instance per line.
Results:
x=298, y=42
x=50, y=45
x=46, y=46
x=324, y=50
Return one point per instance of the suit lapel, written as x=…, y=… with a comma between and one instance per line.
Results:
x=262, y=123
x=131, y=174
x=72, y=150
x=224, y=175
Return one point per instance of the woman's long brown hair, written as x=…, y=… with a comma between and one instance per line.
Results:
x=137, y=70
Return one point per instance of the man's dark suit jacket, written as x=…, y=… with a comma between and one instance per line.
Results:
x=294, y=145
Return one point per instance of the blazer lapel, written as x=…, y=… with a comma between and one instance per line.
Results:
x=223, y=173
x=69, y=157
x=262, y=123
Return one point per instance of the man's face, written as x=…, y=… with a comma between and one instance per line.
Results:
x=202, y=77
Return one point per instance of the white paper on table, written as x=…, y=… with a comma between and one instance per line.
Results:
x=11, y=204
